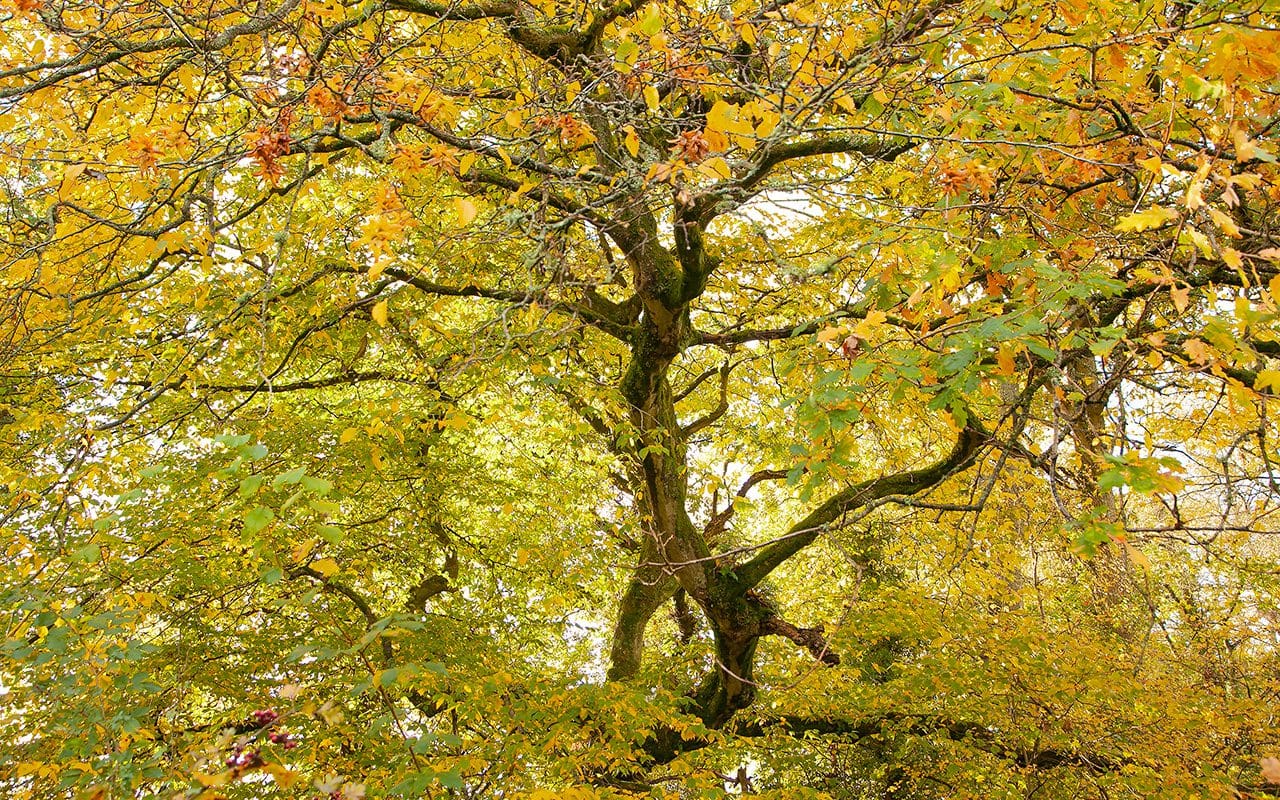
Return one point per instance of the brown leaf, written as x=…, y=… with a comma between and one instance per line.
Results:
x=1270, y=769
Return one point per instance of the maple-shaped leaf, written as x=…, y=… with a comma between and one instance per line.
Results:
x=1153, y=217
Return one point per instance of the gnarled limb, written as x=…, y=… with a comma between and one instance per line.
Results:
x=965, y=451
x=647, y=590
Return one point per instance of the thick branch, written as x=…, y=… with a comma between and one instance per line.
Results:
x=594, y=314
x=362, y=605
x=962, y=455
x=714, y=414
x=456, y=11
x=649, y=588
x=983, y=737
x=811, y=639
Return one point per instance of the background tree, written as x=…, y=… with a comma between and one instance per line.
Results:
x=377, y=374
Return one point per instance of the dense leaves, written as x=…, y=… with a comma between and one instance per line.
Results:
x=562, y=399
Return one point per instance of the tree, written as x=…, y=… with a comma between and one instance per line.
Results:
x=377, y=374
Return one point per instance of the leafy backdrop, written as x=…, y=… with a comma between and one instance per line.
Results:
x=569, y=399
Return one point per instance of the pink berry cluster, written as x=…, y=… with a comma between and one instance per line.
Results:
x=264, y=717
x=244, y=758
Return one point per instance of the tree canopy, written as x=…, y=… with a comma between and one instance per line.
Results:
x=587, y=399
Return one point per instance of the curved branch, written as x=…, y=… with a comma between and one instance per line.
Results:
x=984, y=737
x=456, y=11
x=714, y=414
x=811, y=639
x=962, y=456
x=371, y=619
x=594, y=314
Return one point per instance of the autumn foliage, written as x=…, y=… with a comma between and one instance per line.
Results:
x=650, y=398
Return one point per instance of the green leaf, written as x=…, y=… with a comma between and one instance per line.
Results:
x=451, y=779
x=249, y=486
x=288, y=478
x=326, y=507
x=258, y=518
x=331, y=533
x=316, y=485
x=651, y=22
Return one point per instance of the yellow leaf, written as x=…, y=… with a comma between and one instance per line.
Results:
x=1247, y=150
x=1198, y=351
x=1268, y=379
x=651, y=97
x=1225, y=222
x=326, y=567
x=465, y=162
x=1153, y=217
x=69, y=178
x=724, y=118
x=1180, y=295
x=219, y=779
x=715, y=167
x=283, y=777
x=1195, y=196
x=1232, y=258
x=348, y=435
x=631, y=141
x=1200, y=241
x=846, y=104
x=423, y=96
x=457, y=421
x=379, y=313
x=829, y=335
x=466, y=210
x=1151, y=164
x=768, y=124
x=1004, y=361
x=330, y=713
x=304, y=549
x=1137, y=556
x=867, y=325
x=716, y=140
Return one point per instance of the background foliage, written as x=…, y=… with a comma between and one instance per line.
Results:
x=546, y=398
